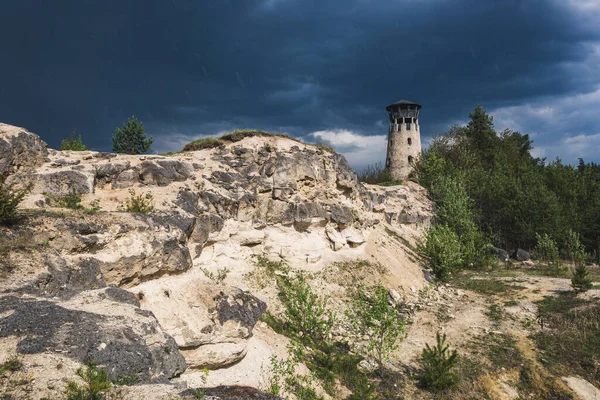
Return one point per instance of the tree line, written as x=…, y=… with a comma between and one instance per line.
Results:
x=489, y=189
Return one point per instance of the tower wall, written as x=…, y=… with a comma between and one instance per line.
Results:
x=399, y=150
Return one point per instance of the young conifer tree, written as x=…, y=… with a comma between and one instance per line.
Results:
x=131, y=139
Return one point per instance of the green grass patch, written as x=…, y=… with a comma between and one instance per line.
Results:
x=502, y=352
x=570, y=336
x=487, y=286
x=494, y=312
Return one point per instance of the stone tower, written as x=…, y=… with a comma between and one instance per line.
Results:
x=404, y=138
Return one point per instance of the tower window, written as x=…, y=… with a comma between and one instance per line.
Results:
x=410, y=159
x=409, y=141
x=408, y=126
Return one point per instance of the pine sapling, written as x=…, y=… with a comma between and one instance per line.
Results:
x=438, y=363
x=581, y=280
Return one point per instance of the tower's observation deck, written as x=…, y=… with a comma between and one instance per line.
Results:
x=404, y=138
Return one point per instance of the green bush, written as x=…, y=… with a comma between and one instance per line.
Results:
x=372, y=317
x=73, y=143
x=574, y=250
x=442, y=252
x=581, y=280
x=95, y=384
x=9, y=202
x=132, y=138
x=138, y=203
x=546, y=249
x=437, y=363
x=305, y=313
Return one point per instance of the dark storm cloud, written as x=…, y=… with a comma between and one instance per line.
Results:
x=190, y=68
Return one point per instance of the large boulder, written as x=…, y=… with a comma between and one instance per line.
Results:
x=105, y=326
x=521, y=255
x=20, y=150
x=502, y=255
x=210, y=323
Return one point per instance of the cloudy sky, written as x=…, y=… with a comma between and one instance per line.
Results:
x=321, y=70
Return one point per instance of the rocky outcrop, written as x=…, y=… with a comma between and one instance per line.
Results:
x=214, y=208
x=105, y=326
x=20, y=150
x=210, y=323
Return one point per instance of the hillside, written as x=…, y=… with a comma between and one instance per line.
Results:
x=167, y=294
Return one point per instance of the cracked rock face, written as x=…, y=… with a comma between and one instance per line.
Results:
x=105, y=326
x=210, y=323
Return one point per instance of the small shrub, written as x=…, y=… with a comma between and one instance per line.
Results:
x=581, y=280
x=138, y=203
x=437, y=363
x=71, y=201
x=9, y=202
x=12, y=364
x=217, y=278
x=95, y=384
x=284, y=379
x=372, y=317
x=305, y=312
x=132, y=138
x=73, y=143
x=94, y=207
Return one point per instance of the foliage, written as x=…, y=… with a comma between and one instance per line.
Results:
x=131, y=139
x=95, y=384
x=283, y=377
x=73, y=143
x=512, y=194
x=139, y=203
x=376, y=174
x=9, y=202
x=266, y=271
x=12, y=364
x=71, y=200
x=373, y=317
x=217, y=278
x=306, y=312
x=574, y=248
x=546, y=249
x=581, y=280
x=437, y=363
x=441, y=250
